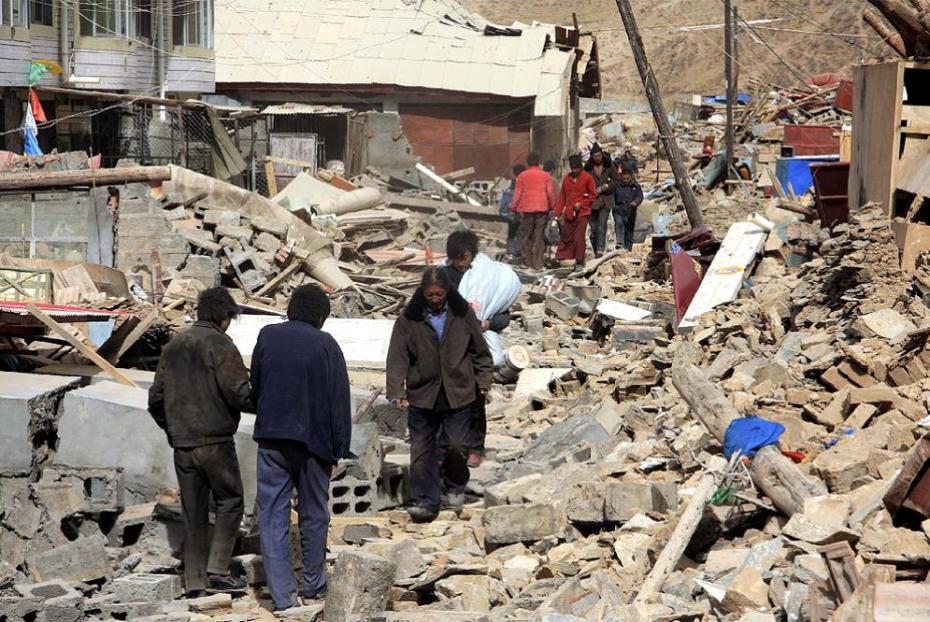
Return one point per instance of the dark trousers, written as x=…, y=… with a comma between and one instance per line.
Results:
x=598, y=225
x=282, y=467
x=513, y=235
x=479, y=425
x=430, y=429
x=624, y=227
x=533, y=238
x=572, y=243
x=202, y=471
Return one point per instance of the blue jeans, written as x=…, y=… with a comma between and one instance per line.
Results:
x=624, y=227
x=283, y=466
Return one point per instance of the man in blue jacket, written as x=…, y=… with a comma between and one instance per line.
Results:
x=303, y=428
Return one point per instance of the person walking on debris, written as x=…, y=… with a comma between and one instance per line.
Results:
x=508, y=213
x=573, y=210
x=534, y=200
x=628, y=195
x=461, y=251
x=437, y=366
x=303, y=428
x=601, y=169
x=200, y=387
x=628, y=162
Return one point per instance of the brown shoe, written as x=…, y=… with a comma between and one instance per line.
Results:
x=474, y=460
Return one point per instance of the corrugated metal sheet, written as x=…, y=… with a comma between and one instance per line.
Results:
x=434, y=44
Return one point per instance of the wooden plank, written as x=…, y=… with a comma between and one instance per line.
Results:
x=465, y=172
x=724, y=278
x=83, y=177
x=272, y=182
x=272, y=285
x=136, y=334
x=876, y=133
x=80, y=346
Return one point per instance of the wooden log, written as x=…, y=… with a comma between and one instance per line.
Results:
x=80, y=346
x=35, y=180
x=681, y=536
x=889, y=36
x=776, y=476
x=906, y=21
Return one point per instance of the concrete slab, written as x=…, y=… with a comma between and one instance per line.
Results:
x=28, y=403
x=91, y=374
x=535, y=379
x=107, y=425
x=247, y=452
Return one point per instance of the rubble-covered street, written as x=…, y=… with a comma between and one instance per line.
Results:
x=727, y=422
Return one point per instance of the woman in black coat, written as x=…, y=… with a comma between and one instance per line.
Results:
x=437, y=365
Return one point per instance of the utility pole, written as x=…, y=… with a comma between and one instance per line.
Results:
x=731, y=85
x=661, y=116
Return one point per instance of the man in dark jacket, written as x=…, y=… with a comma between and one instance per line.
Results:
x=600, y=167
x=303, y=428
x=628, y=162
x=437, y=364
x=200, y=387
x=628, y=196
x=461, y=250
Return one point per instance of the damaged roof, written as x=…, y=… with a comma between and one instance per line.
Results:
x=435, y=44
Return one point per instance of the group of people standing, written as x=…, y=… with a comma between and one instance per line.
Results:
x=589, y=194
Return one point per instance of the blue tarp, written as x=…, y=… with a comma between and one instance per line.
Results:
x=750, y=434
x=742, y=98
x=797, y=172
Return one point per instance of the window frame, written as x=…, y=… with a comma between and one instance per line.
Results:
x=46, y=4
x=124, y=24
x=181, y=23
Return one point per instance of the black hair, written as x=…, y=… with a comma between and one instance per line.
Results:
x=574, y=161
x=461, y=241
x=517, y=169
x=436, y=276
x=549, y=166
x=309, y=304
x=216, y=305
x=532, y=159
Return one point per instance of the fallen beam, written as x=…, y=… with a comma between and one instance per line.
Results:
x=776, y=476
x=84, y=177
x=684, y=531
x=81, y=347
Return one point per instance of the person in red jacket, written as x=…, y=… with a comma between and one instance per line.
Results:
x=533, y=199
x=573, y=210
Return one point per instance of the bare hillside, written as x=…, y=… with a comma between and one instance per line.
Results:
x=812, y=36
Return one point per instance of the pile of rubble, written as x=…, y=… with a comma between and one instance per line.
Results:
x=602, y=495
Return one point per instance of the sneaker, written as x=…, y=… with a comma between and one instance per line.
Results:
x=453, y=500
x=220, y=584
x=474, y=460
x=320, y=595
x=420, y=514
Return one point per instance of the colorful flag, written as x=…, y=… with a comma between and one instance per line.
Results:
x=31, y=147
x=37, y=110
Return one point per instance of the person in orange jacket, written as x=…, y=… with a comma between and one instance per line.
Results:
x=533, y=199
x=573, y=210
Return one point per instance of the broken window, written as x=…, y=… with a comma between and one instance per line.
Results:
x=108, y=18
x=40, y=12
x=192, y=23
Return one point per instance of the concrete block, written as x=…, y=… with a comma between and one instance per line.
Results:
x=626, y=499
x=565, y=439
x=100, y=489
x=267, y=242
x=250, y=566
x=509, y=524
x=235, y=232
x=270, y=225
x=130, y=524
x=28, y=412
x=18, y=608
x=349, y=496
x=202, y=268
x=585, y=503
x=562, y=305
x=86, y=438
x=144, y=587
x=18, y=511
x=358, y=587
x=127, y=611
x=216, y=217
x=85, y=559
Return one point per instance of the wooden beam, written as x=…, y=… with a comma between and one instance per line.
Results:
x=776, y=476
x=272, y=182
x=465, y=172
x=136, y=334
x=80, y=346
x=273, y=284
x=681, y=537
x=889, y=36
x=124, y=97
x=84, y=177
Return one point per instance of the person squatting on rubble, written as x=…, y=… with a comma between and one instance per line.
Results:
x=201, y=385
x=438, y=364
x=573, y=210
x=461, y=250
x=628, y=195
x=303, y=428
x=510, y=215
x=534, y=200
x=602, y=170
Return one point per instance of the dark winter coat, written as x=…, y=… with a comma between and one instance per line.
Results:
x=418, y=364
x=301, y=389
x=201, y=386
x=609, y=178
x=628, y=197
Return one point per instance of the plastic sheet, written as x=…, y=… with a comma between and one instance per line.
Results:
x=490, y=287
